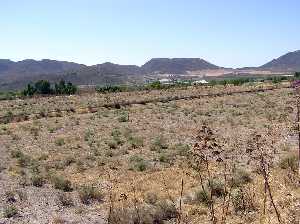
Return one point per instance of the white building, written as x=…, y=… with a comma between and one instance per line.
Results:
x=200, y=82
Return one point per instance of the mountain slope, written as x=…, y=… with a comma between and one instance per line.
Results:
x=287, y=62
x=15, y=75
x=31, y=67
x=176, y=65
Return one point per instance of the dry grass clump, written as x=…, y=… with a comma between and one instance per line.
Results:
x=65, y=199
x=159, y=144
x=88, y=194
x=243, y=201
x=138, y=163
x=164, y=210
x=10, y=211
x=240, y=177
x=61, y=183
x=289, y=162
x=37, y=180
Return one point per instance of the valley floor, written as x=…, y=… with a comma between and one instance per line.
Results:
x=183, y=161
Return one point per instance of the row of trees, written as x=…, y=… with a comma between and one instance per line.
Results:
x=44, y=87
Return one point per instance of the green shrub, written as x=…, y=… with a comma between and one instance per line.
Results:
x=135, y=142
x=289, y=162
x=16, y=154
x=37, y=180
x=158, y=144
x=202, y=196
x=62, y=184
x=181, y=149
x=24, y=160
x=139, y=163
x=109, y=89
x=63, y=88
x=10, y=211
x=112, y=144
x=87, y=194
x=60, y=141
x=242, y=201
x=9, y=116
x=124, y=117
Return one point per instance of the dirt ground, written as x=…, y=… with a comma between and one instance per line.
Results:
x=136, y=164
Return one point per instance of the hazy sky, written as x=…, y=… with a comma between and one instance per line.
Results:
x=231, y=33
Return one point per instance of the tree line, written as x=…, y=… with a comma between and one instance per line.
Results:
x=43, y=87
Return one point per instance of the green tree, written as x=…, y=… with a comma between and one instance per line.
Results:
x=43, y=87
x=29, y=90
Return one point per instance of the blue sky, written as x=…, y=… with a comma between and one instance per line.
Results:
x=230, y=33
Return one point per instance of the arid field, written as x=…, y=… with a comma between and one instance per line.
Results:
x=203, y=158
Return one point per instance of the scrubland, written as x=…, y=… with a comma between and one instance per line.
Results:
x=212, y=159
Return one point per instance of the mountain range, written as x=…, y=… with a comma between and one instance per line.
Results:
x=15, y=75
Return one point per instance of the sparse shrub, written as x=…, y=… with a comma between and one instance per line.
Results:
x=181, y=149
x=240, y=177
x=88, y=135
x=69, y=160
x=9, y=116
x=139, y=163
x=109, y=89
x=158, y=144
x=116, y=133
x=60, y=141
x=62, y=184
x=10, y=211
x=135, y=142
x=164, y=158
x=16, y=153
x=289, y=162
x=124, y=117
x=140, y=166
x=242, y=201
x=87, y=194
x=217, y=188
x=161, y=213
x=202, y=196
x=112, y=144
x=24, y=160
x=37, y=180
x=167, y=210
x=151, y=198
x=10, y=196
x=34, y=131
x=109, y=153
x=65, y=199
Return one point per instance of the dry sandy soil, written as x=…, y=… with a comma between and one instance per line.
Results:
x=145, y=163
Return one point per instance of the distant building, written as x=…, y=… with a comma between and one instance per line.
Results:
x=200, y=82
x=165, y=81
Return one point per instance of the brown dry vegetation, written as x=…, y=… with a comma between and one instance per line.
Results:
x=136, y=164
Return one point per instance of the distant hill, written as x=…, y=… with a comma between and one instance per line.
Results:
x=287, y=62
x=31, y=67
x=176, y=65
x=15, y=75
